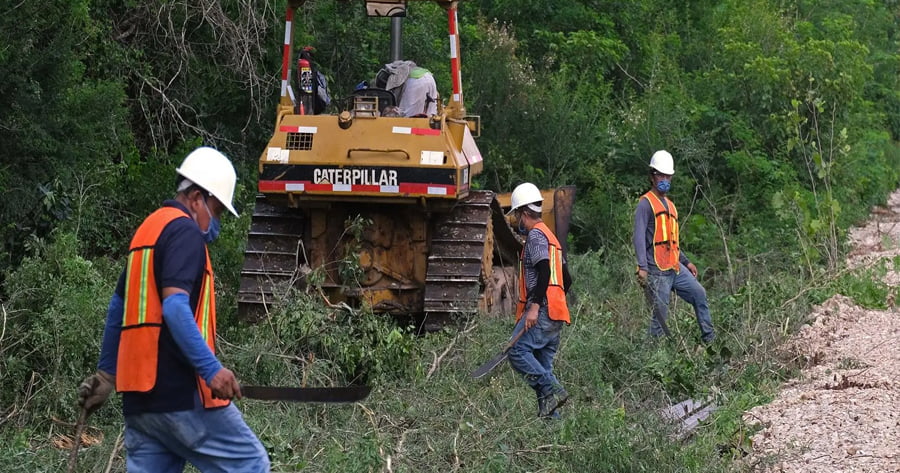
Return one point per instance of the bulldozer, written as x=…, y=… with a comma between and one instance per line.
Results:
x=378, y=210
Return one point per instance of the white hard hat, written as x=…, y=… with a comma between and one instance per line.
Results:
x=212, y=171
x=524, y=194
x=662, y=161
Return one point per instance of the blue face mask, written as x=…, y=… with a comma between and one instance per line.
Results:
x=663, y=186
x=212, y=232
x=521, y=229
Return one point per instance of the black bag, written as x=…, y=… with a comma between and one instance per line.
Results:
x=317, y=84
x=381, y=80
x=323, y=98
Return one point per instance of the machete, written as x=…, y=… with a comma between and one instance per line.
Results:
x=277, y=393
x=489, y=365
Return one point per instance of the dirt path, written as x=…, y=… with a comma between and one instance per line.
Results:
x=842, y=414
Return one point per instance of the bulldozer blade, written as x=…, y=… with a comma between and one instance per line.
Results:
x=273, y=393
x=489, y=365
x=563, y=201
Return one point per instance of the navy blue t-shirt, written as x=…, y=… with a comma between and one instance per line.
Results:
x=179, y=260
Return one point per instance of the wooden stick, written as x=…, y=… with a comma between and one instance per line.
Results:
x=79, y=430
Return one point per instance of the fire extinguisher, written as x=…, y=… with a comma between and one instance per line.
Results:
x=305, y=73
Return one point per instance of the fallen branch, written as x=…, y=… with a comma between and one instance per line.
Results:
x=115, y=450
x=3, y=331
x=437, y=359
x=545, y=448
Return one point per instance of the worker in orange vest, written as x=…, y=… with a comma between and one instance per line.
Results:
x=158, y=345
x=662, y=266
x=541, y=310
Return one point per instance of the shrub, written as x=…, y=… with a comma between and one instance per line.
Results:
x=56, y=310
x=304, y=342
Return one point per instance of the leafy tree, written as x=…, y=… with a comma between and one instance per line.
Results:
x=61, y=125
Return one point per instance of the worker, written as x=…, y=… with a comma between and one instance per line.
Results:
x=541, y=310
x=413, y=87
x=158, y=346
x=419, y=97
x=662, y=266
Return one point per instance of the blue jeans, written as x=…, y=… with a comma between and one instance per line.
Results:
x=213, y=440
x=532, y=355
x=686, y=286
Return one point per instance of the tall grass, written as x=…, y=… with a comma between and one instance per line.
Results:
x=425, y=413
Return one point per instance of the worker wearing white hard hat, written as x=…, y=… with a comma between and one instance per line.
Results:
x=662, y=162
x=525, y=194
x=662, y=266
x=159, y=343
x=541, y=311
x=212, y=172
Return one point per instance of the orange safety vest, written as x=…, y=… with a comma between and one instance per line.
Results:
x=143, y=316
x=665, y=233
x=556, y=295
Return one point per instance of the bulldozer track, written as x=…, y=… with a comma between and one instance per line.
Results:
x=272, y=257
x=460, y=260
x=467, y=243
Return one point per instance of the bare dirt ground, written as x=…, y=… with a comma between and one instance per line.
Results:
x=841, y=414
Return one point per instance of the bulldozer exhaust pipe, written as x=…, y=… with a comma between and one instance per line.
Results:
x=396, y=38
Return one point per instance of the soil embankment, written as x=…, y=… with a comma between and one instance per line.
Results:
x=841, y=414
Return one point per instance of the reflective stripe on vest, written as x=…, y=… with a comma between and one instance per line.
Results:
x=205, y=316
x=556, y=296
x=138, y=357
x=665, y=232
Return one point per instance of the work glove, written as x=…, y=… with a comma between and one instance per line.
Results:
x=94, y=390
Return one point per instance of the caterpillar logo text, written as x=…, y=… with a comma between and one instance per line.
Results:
x=374, y=177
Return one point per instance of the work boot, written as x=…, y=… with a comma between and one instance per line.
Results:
x=560, y=395
x=544, y=410
x=542, y=406
x=550, y=402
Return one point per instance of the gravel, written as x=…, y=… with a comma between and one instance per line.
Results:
x=840, y=414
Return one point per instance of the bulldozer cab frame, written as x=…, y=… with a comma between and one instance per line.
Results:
x=394, y=9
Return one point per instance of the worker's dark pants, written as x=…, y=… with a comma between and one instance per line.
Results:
x=659, y=286
x=532, y=356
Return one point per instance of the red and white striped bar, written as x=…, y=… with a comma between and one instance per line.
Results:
x=298, y=129
x=404, y=130
x=286, y=59
x=454, y=56
x=407, y=188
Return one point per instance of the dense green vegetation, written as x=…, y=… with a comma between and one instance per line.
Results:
x=783, y=117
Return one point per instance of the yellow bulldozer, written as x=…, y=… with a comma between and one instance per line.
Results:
x=378, y=209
